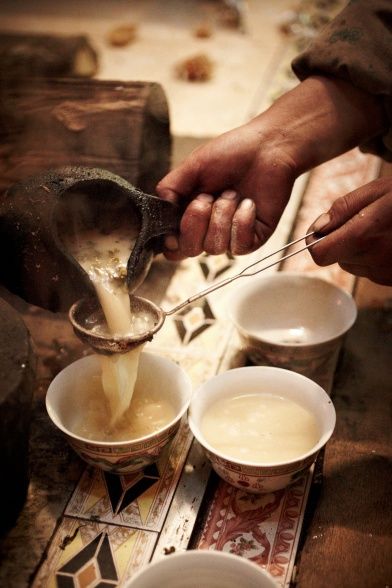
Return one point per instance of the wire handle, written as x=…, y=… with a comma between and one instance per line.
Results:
x=245, y=272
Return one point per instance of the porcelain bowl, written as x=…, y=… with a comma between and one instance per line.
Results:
x=261, y=477
x=64, y=405
x=292, y=320
x=202, y=568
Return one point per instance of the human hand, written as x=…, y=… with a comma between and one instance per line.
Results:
x=358, y=229
x=234, y=190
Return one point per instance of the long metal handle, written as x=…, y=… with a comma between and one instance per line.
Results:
x=245, y=272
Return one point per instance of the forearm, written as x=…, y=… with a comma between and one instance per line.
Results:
x=356, y=46
x=318, y=120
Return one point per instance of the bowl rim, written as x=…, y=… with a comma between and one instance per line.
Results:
x=208, y=554
x=276, y=464
x=234, y=300
x=123, y=442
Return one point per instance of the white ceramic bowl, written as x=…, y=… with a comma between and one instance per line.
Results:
x=292, y=320
x=202, y=569
x=121, y=457
x=258, y=477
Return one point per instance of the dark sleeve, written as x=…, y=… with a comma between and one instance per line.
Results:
x=357, y=46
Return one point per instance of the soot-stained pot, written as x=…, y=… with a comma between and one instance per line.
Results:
x=35, y=263
x=17, y=369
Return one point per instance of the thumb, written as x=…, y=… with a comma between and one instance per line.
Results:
x=179, y=183
x=345, y=207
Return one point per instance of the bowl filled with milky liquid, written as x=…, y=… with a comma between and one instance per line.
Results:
x=292, y=320
x=261, y=427
x=120, y=407
x=110, y=430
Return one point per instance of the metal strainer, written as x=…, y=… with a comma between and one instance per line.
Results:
x=81, y=312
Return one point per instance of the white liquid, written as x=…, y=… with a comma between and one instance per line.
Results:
x=286, y=336
x=104, y=258
x=119, y=373
x=260, y=428
x=147, y=414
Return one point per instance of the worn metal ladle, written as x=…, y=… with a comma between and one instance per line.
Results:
x=81, y=312
x=38, y=214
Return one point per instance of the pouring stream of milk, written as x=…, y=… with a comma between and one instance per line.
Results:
x=104, y=258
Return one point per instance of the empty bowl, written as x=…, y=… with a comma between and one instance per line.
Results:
x=67, y=407
x=196, y=568
x=292, y=320
x=228, y=456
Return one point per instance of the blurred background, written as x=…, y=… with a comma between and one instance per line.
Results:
x=219, y=62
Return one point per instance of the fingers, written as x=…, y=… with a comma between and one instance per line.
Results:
x=193, y=228
x=379, y=274
x=346, y=244
x=218, y=237
x=179, y=183
x=216, y=226
x=243, y=233
x=346, y=207
x=357, y=231
x=194, y=225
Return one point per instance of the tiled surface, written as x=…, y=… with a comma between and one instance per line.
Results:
x=92, y=553
x=264, y=529
x=137, y=500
